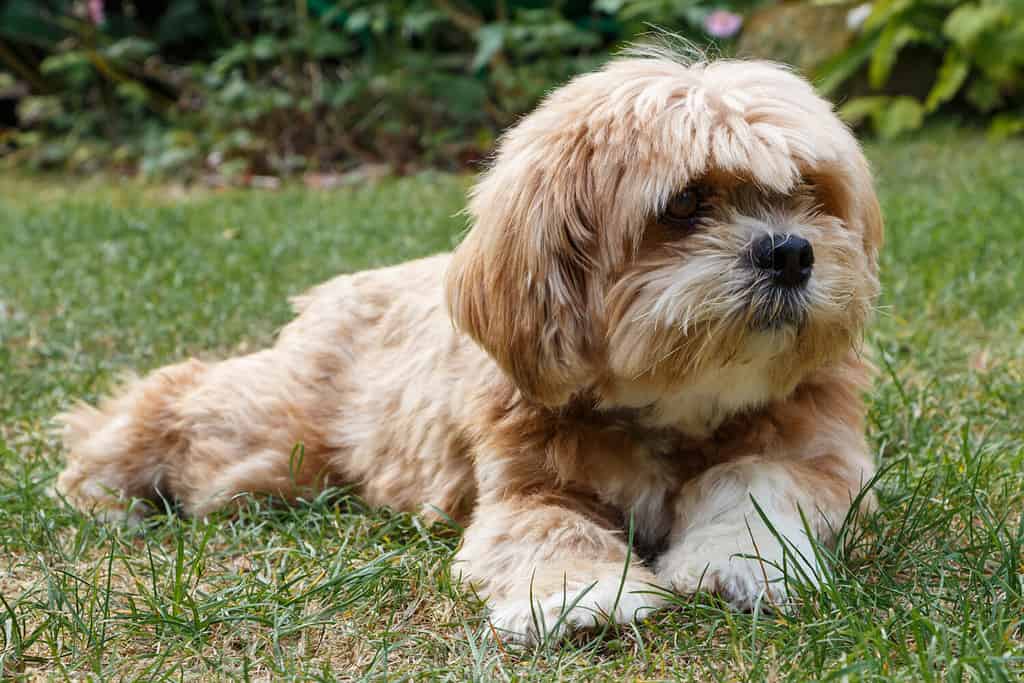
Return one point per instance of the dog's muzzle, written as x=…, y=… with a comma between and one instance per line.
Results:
x=783, y=265
x=787, y=259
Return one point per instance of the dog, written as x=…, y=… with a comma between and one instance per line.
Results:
x=650, y=333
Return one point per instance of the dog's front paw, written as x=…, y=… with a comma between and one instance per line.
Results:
x=744, y=573
x=741, y=582
x=538, y=619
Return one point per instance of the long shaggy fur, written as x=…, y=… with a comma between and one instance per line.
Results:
x=604, y=367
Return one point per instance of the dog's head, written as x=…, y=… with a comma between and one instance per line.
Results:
x=656, y=225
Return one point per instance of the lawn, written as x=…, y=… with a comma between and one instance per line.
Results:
x=97, y=277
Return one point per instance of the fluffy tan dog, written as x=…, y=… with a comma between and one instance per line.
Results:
x=656, y=318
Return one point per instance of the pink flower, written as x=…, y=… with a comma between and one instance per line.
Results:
x=722, y=23
x=96, y=13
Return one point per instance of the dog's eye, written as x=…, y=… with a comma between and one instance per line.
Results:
x=683, y=207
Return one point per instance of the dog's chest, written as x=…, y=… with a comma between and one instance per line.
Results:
x=639, y=471
x=701, y=405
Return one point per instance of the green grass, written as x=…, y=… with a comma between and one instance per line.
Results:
x=105, y=277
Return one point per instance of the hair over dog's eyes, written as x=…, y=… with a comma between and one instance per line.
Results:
x=684, y=207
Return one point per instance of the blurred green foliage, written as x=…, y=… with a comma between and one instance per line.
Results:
x=262, y=86
x=978, y=45
x=238, y=88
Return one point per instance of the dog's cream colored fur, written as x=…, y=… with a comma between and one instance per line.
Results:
x=602, y=367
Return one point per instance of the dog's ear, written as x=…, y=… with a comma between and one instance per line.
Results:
x=847, y=191
x=869, y=211
x=517, y=283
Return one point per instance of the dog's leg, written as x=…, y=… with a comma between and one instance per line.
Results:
x=721, y=543
x=547, y=569
x=196, y=435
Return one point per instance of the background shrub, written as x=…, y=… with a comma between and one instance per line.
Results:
x=257, y=86
x=978, y=47
x=240, y=88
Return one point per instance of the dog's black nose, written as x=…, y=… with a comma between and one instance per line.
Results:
x=789, y=259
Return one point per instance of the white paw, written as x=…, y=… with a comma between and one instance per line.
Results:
x=576, y=608
x=745, y=576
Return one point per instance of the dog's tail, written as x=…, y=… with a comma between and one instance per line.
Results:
x=198, y=434
x=121, y=450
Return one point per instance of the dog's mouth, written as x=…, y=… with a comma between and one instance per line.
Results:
x=777, y=307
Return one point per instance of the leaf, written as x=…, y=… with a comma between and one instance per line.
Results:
x=265, y=48
x=35, y=110
x=837, y=70
x=984, y=94
x=65, y=61
x=358, y=21
x=490, y=38
x=901, y=115
x=859, y=108
x=1006, y=125
x=463, y=94
x=883, y=11
x=608, y=6
x=1000, y=54
x=31, y=24
x=167, y=160
x=235, y=56
x=323, y=44
x=892, y=39
x=130, y=49
x=967, y=23
x=417, y=23
x=182, y=21
x=950, y=78
x=73, y=66
x=341, y=94
x=132, y=91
